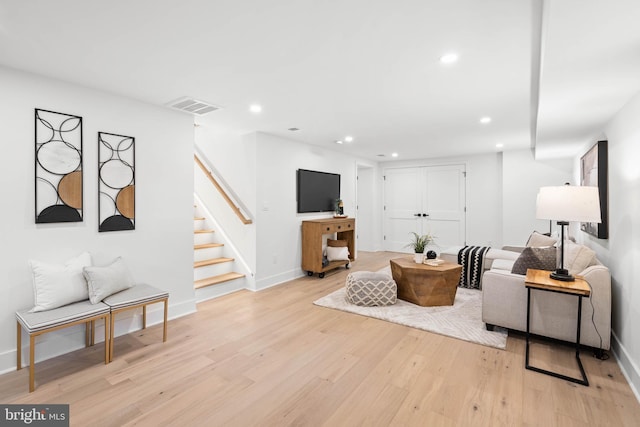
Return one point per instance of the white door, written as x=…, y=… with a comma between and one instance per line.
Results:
x=424, y=200
x=402, y=207
x=444, y=204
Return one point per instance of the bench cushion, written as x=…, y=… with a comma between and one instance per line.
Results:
x=139, y=294
x=42, y=320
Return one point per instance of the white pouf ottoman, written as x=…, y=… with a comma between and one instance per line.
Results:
x=369, y=289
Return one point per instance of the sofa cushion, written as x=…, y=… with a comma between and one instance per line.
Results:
x=502, y=264
x=535, y=258
x=537, y=240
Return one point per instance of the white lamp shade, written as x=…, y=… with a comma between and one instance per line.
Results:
x=568, y=203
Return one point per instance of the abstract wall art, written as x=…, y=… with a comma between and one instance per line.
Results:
x=593, y=172
x=116, y=182
x=58, y=167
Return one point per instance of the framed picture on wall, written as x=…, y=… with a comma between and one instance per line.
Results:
x=58, y=167
x=116, y=182
x=593, y=172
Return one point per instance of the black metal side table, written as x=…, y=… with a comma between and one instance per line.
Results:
x=540, y=280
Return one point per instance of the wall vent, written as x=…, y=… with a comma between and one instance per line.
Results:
x=192, y=106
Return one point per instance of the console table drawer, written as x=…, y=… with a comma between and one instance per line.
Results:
x=337, y=228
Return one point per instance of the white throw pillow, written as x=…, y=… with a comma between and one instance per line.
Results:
x=105, y=281
x=55, y=285
x=577, y=257
x=337, y=254
x=537, y=240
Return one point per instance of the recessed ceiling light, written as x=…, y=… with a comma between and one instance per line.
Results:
x=338, y=142
x=348, y=138
x=485, y=120
x=449, y=58
x=255, y=108
x=499, y=145
x=394, y=154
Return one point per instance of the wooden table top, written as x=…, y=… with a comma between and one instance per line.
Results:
x=539, y=279
x=408, y=262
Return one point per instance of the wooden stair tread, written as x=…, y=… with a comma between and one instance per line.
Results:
x=203, y=231
x=207, y=245
x=211, y=261
x=209, y=281
x=199, y=218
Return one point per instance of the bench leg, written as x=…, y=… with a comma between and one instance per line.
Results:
x=32, y=362
x=107, y=341
x=111, y=340
x=19, y=348
x=164, y=332
x=144, y=317
x=87, y=338
x=93, y=332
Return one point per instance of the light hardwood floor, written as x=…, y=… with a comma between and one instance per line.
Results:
x=272, y=358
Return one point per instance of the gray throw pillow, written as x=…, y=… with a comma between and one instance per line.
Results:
x=535, y=258
x=105, y=281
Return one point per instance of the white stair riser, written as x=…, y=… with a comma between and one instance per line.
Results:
x=200, y=238
x=212, y=270
x=208, y=253
x=199, y=224
x=220, y=289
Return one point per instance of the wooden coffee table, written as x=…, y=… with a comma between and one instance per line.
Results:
x=426, y=285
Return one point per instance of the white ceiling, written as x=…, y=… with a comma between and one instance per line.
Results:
x=366, y=68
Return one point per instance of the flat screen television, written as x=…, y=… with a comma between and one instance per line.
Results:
x=317, y=191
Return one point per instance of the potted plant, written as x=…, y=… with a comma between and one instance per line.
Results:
x=419, y=243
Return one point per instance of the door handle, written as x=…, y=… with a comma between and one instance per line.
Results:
x=424, y=214
x=416, y=214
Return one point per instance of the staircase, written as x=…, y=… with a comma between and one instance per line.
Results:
x=213, y=267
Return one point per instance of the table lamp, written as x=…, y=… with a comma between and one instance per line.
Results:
x=564, y=204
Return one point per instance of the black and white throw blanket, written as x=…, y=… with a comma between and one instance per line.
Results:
x=472, y=260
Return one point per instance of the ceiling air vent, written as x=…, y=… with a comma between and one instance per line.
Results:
x=192, y=106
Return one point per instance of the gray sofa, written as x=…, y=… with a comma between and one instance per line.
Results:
x=504, y=301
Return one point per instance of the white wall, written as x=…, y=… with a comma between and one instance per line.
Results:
x=278, y=225
x=483, y=193
x=367, y=214
x=232, y=155
x=522, y=178
x=159, y=251
x=621, y=251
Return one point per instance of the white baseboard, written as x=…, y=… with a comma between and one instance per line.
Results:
x=72, y=338
x=627, y=365
x=278, y=279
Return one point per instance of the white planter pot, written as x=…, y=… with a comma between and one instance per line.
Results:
x=418, y=258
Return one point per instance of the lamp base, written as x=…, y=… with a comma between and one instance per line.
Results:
x=562, y=275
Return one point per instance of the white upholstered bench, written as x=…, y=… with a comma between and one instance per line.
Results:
x=41, y=322
x=138, y=296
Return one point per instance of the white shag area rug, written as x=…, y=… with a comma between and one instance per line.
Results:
x=462, y=320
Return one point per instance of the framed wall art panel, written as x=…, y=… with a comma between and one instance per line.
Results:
x=593, y=172
x=58, y=167
x=116, y=182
